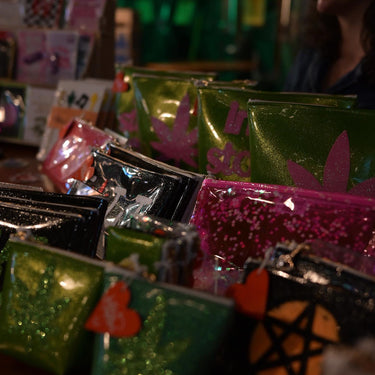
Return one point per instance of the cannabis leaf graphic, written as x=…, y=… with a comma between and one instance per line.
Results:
x=33, y=314
x=143, y=354
x=336, y=172
x=128, y=121
x=176, y=143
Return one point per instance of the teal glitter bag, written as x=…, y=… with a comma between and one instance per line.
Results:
x=171, y=330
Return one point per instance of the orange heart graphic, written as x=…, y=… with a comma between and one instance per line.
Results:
x=112, y=315
x=251, y=297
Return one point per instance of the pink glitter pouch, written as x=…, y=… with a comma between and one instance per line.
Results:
x=237, y=220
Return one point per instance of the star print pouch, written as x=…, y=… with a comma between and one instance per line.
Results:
x=154, y=248
x=167, y=114
x=236, y=220
x=314, y=147
x=47, y=297
x=309, y=304
x=185, y=193
x=125, y=104
x=130, y=190
x=164, y=332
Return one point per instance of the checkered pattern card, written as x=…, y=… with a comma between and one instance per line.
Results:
x=43, y=13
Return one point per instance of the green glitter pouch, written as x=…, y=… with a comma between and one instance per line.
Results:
x=312, y=147
x=155, y=249
x=178, y=330
x=223, y=143
x=47, y=296
x=167, y=114
x=125, y=101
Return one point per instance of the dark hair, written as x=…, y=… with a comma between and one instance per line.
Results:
x=322, y=32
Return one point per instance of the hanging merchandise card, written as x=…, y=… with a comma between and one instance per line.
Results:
x=84, y=14
x=46, y=56
x=43, y=13
x=12, y=110
x=11, y=14
x=72, y=99
x=8, y=44
x=38, y=105
x=313, y=147
x=164, y=334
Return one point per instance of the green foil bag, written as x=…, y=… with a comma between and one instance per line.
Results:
x=122, y=244
x=47, y=296
x=179, y=329
x=157, y=249
x=313, y=147
x=125, y=97
x=167, y=115
x=223, y=131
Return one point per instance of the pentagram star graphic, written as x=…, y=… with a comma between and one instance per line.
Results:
x=291, y=339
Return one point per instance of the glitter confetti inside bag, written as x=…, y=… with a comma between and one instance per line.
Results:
x=47, y=296
x=237, y=220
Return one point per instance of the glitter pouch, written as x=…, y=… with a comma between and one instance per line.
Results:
x=223, y=144
x=157, y=249
x=185, y=193
x=310, y=303
x=130, y=190
x=70, y=156
x=47, y=296
x=178, y=331
x=236, y=220
x=313, y=147
x=167, y=115
x=125, y=104
x=84, y=239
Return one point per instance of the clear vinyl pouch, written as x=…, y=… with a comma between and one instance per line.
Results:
x=185, y=193
x=129, y=189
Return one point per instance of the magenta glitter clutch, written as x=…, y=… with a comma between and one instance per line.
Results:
x=236, y=220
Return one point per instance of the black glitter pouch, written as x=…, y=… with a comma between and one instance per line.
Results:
x=46, y=214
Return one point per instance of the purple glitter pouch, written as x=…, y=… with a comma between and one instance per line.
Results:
x=237, y=220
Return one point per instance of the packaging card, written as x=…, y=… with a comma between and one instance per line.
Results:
x=73, y=98
x=46, y=56
x=38, y=105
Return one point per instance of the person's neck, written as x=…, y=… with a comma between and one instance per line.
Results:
x=351, y=28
